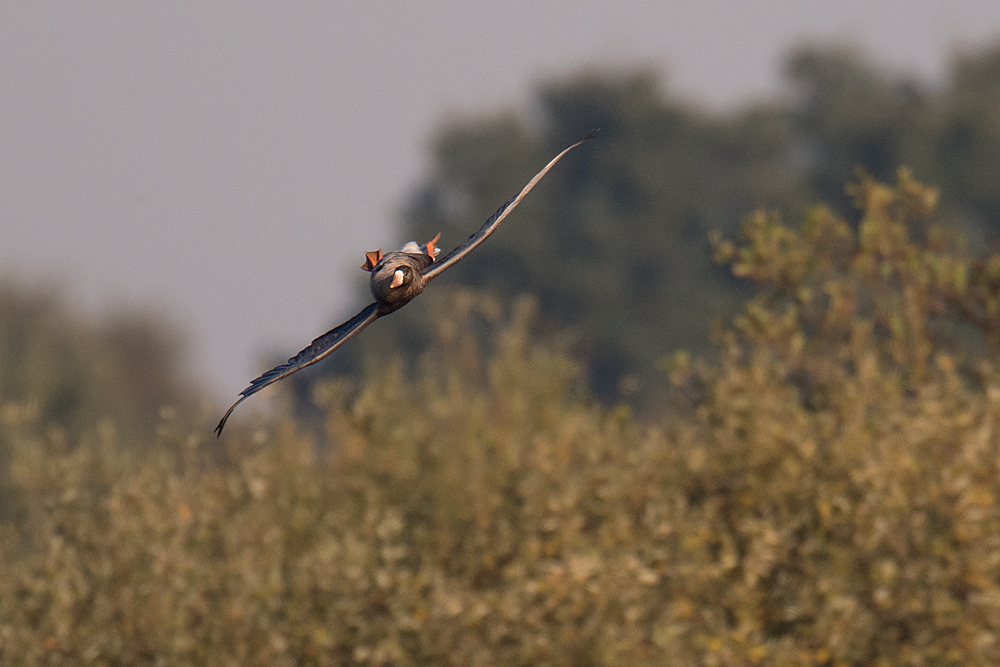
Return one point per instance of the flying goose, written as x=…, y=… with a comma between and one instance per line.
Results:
x=396, y=278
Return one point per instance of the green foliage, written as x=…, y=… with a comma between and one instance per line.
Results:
x=896, y=285
x=831, y=497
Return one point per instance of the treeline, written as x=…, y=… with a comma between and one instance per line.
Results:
x=75, y=372
x=613, y=243
x=829, y=496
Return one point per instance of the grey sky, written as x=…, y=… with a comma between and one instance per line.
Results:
x=228, y=163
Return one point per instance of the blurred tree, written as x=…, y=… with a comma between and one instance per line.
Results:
x=75, y=372
x=68, y=374
x=847, y=112
x=966, y=162
x=831, y=499
x=886, y=293
x=613, y=241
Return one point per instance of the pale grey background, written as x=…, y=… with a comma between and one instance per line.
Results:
x=228, y=163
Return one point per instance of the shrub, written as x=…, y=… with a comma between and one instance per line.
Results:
x=828, y=497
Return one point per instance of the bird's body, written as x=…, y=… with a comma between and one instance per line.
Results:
x=396, y=278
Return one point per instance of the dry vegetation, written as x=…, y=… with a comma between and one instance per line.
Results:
x=828, y=494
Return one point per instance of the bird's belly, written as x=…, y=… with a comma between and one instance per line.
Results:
x=393, y=298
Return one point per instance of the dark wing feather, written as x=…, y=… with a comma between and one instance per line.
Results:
x=490, y=225
x=317, y=349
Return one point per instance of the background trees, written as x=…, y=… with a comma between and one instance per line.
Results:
x=613, y=242
x=76, y=372
x=828, y=495
x=70, y=374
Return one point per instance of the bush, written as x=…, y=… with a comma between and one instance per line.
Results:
x=829, y=495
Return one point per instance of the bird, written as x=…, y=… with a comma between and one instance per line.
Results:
x=396, y=278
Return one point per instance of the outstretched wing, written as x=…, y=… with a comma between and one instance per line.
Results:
x=490, y=225
x=317, y=349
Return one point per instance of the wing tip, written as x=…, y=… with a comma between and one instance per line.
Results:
x=222, y=422
x=590, y=135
